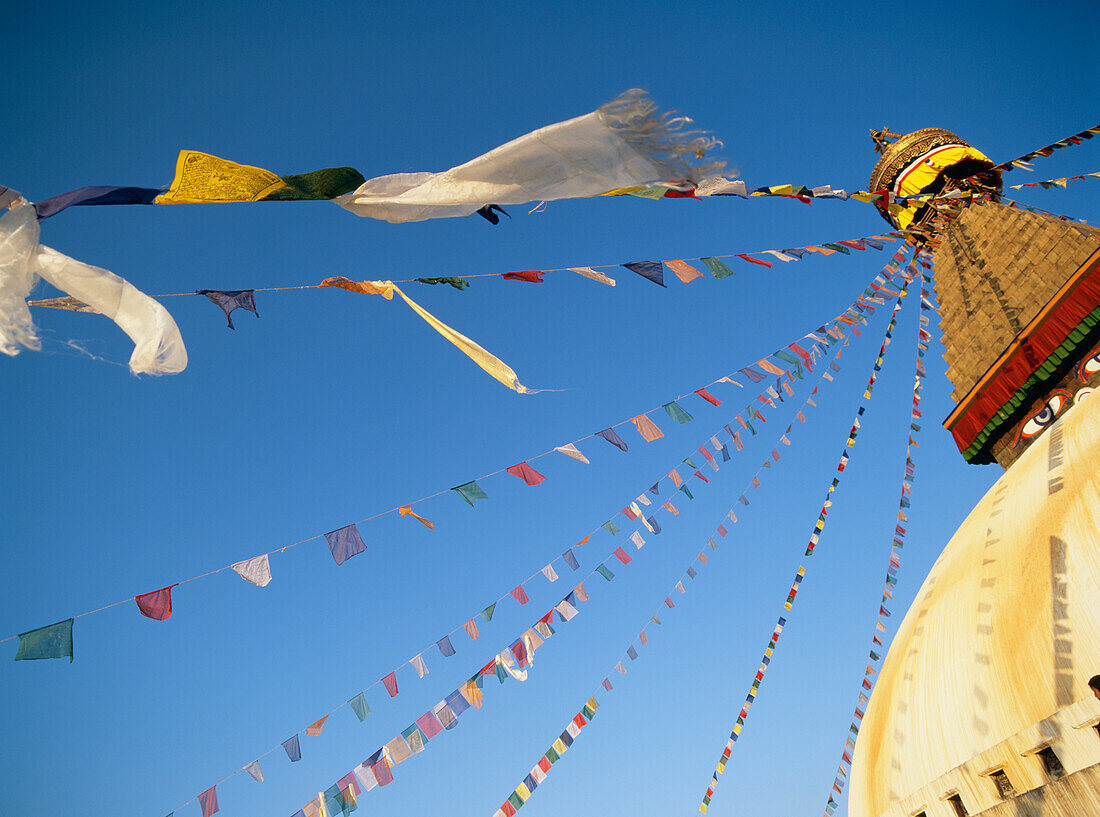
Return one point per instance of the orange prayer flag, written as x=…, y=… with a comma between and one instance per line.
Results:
x=315, y=728
x=363, y=287
x=408, y=511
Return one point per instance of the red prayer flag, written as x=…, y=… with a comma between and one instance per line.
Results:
x=752, y=260
x=520, y=595
x=390, y=682
x=722, y=530
x=158, y=605
x=668, y=602
x=209, y=798
x=531, y=276
x=622, y=556
x=508, y=809
x=700, y=475
x=579, y=720
x=544, y=763
x=710, y=398
x=607, y=685
x=429, y=725
x=526, y=473
x=382, y=772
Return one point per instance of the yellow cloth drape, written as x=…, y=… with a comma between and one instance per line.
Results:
x=496, y=367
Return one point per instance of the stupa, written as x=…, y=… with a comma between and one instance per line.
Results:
x=983, y=705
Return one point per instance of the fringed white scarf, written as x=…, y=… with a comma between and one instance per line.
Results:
x=624, y=143
x=158, y=345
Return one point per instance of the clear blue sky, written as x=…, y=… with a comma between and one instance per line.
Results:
x=332, y=407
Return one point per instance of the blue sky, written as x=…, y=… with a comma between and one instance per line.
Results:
x=332, y=407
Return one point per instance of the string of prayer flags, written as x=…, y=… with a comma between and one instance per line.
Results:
x=157, y=604
x=228, y=301
x=800, y=574
x=623, y=143
x=893, y=563
x=494, y=366
x=1049, y=183
x=344, y=543
x=1022, y=161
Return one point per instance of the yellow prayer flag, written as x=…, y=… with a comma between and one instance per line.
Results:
x=201, y=178
x=523, y=792
x=471, y=693
x=592, y=704
x=559, y=747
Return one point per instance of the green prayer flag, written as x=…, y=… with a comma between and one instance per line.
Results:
x=54, y=641
x=748, y=425
x=515, y=800
x=360, y=707
x=551, y=755
x=501, y=672
x=684, y=488
x=471, y=492
x=610, y=527
x=717, y=268
x=838, y=248
x=320, y=184
x=677, y=413
x=786, y=356
x=690, y=462
x=487, y=613
x=588, y=712
x=605, y=572
x=453, y=280
x=649, y=193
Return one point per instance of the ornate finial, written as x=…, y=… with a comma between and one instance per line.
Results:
x=880, y=137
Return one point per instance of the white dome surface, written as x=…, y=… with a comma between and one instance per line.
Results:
x=1006, y=628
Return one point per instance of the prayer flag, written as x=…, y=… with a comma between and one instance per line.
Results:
x=613, y=438
x=360, y=707
x=344, y=543
x=487, y=613
x=382, y=773
x=445, y=648
x=429, y=725
x=531, y=276
x=637, y=539
x=254, y=771
x=751, y=374
x=620, y=668
x=675, y=477
x=157, y=604
x=610, y=527
x=228, y=301
x=685, y=272
x=571, y=559
x=526, y=473
x=647, y=428
x=520, y=595
x=588, y=272
x=445, y=715
x=471, y=629
x=398, y=750
x=418, y=664
x=677, y=413
x=582, y=594
x=633, y=653
x=710, y=398
x=408, y=511
x=622, y=556
x=752, y=260
x=653, y=525
x=256, y=570
x=451, y=280
x=573, y=452
x=668, y=506
x=209, y=801
x=390, y=682
x=684, y=488
x=457, y=701
x=550, y=573
x=653, y=270
x=604, y=571
x=52, y=641
x=565, y=610
x=643, y=639
x=680, y=587
x=293, y=749
x=470, y=491
x=717, y=268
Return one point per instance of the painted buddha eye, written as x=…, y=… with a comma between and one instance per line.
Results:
x=1082, y=394
x=1090, y=367
x=1038, y=422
